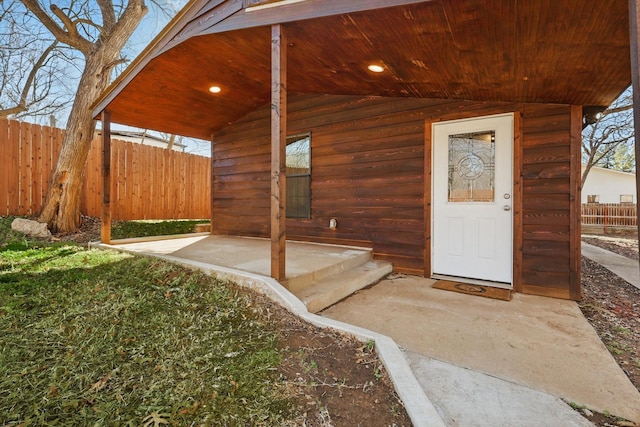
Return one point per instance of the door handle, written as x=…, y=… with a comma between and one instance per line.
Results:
x=506, y=208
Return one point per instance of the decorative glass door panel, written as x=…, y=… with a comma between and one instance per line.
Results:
x=472, y=167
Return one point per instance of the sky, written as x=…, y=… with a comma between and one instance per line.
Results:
x=160, y=12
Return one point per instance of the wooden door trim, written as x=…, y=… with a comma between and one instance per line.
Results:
x=517, y=158
x=518, y=214
x=428, y=144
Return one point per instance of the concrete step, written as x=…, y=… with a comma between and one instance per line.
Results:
x=351, y=259
x=330, y=290
x=202, y=228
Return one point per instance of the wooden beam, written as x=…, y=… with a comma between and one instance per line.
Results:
x=105, y=220
x=278, y=151
x=204, y=21
x=212, y=177
x=634, y=33
x=274, y=13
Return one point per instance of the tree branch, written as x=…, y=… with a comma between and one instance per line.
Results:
x=108, y=67
x=127, y=22
x=620, y=109
x=88, y=22
x=108, y=15
x=22, y=105
x=72, y=29
x=70, y=37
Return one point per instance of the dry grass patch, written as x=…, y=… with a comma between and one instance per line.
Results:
x=100, y=337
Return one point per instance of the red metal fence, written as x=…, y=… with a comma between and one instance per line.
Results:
x=147, y=182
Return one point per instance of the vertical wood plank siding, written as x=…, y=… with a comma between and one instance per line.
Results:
x=147, y=182
x=368, y=171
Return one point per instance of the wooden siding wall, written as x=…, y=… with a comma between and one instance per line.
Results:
x=148, y=182
x=368, y=167
x=549, y=202
x=367, y=158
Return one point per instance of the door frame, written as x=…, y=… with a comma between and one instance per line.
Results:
x=516, y=193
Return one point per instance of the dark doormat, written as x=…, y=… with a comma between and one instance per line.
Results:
x=479, y=290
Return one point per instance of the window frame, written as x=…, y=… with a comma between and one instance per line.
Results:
x=629, y=198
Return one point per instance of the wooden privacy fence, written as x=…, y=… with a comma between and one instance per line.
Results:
x=609, y=214
x=146, y=182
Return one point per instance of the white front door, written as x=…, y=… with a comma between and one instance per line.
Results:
x=472, y=212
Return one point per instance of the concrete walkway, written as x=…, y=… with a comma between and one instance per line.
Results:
x=619, y=265
x=466, y=397
x=482, y=361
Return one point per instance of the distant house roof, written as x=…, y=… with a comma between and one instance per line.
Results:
x=612, y=171
x=144, y=138
x=562, y=51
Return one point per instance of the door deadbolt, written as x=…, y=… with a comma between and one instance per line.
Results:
x=506, y=207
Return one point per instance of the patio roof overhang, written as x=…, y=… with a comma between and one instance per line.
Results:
x=546, y=51
x=551, y=51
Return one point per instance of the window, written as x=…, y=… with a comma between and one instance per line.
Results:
x=299, y=176
x=472, y=167
x=593, y=198
x=626, y=198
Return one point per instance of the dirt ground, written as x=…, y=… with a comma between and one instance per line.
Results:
x=612, y=306
x=338, y=381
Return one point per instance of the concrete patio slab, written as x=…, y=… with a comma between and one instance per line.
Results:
x=542, y=343
x=318, y=274
x=248, y=253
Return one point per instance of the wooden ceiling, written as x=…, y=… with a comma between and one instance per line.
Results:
x=553, y=51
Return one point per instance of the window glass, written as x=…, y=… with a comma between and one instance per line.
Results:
x=472, y=167
x=626, y=198
x=299, y=176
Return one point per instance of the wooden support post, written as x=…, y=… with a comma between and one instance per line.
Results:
x=575, y=183
x=211, y=183
x=278, y=151
x=105, y=220
x=634, y=33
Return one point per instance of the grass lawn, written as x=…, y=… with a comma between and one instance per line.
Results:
x=90, y=337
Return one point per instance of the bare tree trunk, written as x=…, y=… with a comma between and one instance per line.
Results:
x=585, y=173
x=61, y=209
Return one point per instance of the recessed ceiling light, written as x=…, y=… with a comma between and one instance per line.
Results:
x=376, y=68
x=215, y=89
